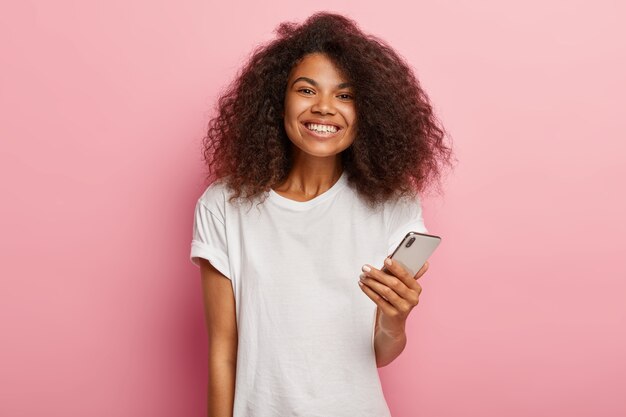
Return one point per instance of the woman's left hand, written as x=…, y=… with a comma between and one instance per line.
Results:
x=395, y=292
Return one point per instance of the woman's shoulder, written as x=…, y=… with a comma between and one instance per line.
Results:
x=219, y=197
x=403, y=207
x=215, y=195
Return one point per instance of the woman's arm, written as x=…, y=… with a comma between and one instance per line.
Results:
x=221, y=322
x=395, y=293
x=387, y=347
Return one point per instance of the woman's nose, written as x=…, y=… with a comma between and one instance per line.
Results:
x=323, y=105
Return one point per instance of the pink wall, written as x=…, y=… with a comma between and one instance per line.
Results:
x=102, y=107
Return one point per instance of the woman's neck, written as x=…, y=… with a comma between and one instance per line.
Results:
x=310, y=176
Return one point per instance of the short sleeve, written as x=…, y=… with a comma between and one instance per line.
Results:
x=209, y=239
x=404, y=217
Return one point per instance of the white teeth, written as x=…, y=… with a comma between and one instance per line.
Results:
x=321, y=128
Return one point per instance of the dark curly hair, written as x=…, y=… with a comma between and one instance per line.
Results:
x=399, y=145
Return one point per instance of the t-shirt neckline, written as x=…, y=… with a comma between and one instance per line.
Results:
x=303, y=205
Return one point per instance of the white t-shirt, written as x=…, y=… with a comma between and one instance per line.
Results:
x=306, y=329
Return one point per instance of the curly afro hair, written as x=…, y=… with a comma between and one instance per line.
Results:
x=399, y=145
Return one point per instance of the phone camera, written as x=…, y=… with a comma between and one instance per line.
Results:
x=410, y=242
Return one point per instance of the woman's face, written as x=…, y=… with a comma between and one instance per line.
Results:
x=320, y=114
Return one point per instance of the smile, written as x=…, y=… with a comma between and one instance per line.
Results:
x=320, y=130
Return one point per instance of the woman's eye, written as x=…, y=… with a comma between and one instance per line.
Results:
x=305, y=89
x=346, y=96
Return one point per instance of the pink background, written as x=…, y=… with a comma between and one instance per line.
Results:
x=102, y=108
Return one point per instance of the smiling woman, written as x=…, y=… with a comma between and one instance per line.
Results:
x=327, y=130
x=320, y=114
x=398, y=146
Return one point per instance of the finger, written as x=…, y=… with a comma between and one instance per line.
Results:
x=391, y=296
x=422, y=270
x=383, y=304
x=402, y=283
x=394, y=268
x=419, y=290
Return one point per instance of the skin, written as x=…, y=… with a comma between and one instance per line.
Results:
x=316, y=168
x=395, y=293
x=221, y=325
x=315, y=89
x=316, y=163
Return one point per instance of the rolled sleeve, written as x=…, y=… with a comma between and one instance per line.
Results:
x=209, y=239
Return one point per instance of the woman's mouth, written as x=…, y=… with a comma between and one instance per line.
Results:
x=321, y=130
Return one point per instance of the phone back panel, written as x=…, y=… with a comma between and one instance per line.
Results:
x=414, y=250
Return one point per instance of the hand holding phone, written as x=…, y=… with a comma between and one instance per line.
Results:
x=414, y=250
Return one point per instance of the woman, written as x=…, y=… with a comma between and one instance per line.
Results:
x=320, y=148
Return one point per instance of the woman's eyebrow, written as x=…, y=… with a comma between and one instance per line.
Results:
x=313, y=82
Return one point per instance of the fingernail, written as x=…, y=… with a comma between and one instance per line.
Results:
x=366, y=268
x=362, y=276
x=388, y=261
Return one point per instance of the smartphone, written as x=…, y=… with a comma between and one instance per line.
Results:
x=414, y=250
